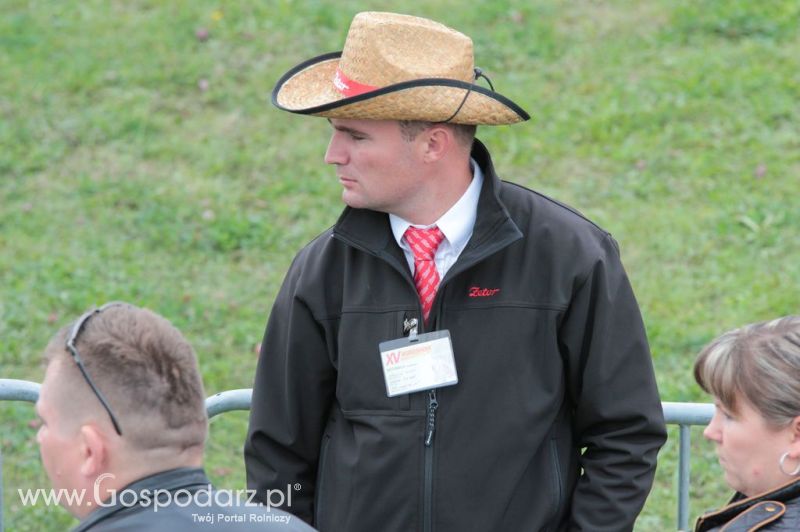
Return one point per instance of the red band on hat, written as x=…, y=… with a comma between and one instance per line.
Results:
x=350, y=87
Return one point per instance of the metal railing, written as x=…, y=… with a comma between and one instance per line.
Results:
x=682, y=414
x=685, y=415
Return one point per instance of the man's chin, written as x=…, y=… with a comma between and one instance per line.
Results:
x=78, y=512
x=353, y=201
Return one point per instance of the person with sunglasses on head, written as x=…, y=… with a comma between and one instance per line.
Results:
x=123, y=428
x=753, y=373
x=457, y=352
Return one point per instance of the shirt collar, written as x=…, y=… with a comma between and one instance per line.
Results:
x=457, y=223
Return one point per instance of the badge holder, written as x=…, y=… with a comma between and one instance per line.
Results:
x=418, y=362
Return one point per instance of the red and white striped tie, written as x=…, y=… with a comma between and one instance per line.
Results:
x=424, y=243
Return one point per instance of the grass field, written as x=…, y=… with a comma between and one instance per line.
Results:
x=140, y=162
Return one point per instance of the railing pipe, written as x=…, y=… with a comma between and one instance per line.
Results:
x=682, y=414
x=228, y=400
x=687, y=413
x=17, y=390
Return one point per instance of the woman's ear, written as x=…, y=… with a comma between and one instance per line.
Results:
x=794, y=446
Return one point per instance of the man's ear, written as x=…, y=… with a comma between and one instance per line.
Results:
x=438, y=141
x=94, y=451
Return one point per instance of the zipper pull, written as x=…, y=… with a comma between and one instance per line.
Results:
x=433, y=404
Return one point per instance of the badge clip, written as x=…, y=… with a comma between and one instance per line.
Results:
x=410, y=327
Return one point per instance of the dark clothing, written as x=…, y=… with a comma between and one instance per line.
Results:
x=774, y=511
x=185, y=500
x=551, y=357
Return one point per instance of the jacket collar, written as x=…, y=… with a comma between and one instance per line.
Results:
x=171, y=480
x=494, y=229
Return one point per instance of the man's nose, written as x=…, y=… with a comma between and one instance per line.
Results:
x=335, y=154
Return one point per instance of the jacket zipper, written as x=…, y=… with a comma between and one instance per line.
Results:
x=427, y=505
x=559, y=485
x=410, y=326
x=321, y=472
x=430, y=430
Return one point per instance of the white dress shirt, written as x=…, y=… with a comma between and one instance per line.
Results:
x=456, y=225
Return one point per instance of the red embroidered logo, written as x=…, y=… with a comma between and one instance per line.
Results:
x=477, y=291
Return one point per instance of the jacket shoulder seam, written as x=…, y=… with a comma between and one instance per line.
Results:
x=557, y=203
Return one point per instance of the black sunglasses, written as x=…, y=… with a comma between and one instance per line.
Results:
x=73, y=336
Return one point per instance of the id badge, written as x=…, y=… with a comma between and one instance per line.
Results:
x=420, y=362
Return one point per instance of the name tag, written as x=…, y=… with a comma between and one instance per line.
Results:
x=420, y=362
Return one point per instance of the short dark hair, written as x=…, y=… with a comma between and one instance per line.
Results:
x=464, y=133
x=146, y=370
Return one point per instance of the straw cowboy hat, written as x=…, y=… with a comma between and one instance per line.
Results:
x=396, y=67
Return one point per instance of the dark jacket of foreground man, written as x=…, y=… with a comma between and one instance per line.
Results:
x=554, y=372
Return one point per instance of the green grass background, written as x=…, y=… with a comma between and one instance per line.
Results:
x=141, y=163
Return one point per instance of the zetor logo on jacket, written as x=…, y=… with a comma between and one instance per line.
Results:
x=477, y=291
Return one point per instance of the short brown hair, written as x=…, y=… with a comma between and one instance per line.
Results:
x=464, y=133
x=146, y=370
x=759, y=363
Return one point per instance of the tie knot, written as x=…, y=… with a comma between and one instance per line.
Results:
x=424, y=242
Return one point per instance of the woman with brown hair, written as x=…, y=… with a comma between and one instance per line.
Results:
x=754, y=375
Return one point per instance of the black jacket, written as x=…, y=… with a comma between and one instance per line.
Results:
x=777, y=510
x=186, y=501
x=551, y=356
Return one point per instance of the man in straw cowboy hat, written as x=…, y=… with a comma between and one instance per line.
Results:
x=457, y=352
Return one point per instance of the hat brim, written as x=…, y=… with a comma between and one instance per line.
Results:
x=308, y=89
